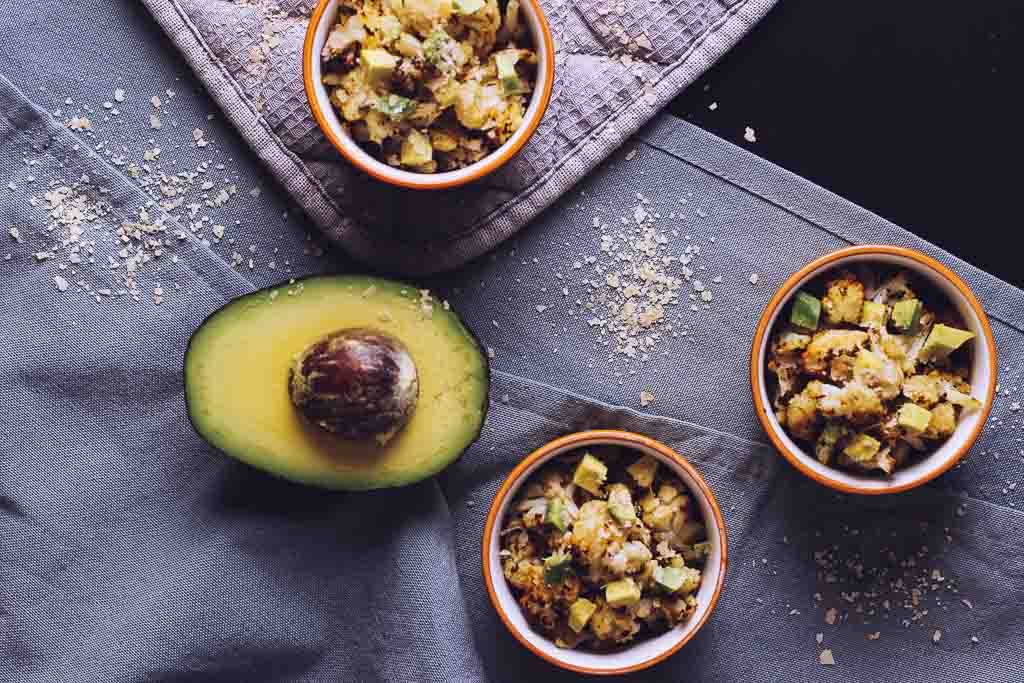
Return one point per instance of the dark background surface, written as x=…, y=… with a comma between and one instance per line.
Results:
x=911, y=109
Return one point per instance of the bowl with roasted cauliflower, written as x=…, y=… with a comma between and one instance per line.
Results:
x=428, y=94
x=873, y=369
x=604, y=552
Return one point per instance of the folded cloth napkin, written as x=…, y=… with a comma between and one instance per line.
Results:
x=131, y=551
x=618, y=64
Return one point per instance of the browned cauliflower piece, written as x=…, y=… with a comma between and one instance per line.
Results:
x=856, y=402
x=828, y=343
x=840, y=370
x=843, y=300
x=923, y=389
x=943, y=421
x=611, y=625
x=802, y=412
x=789, y=341
x=892, y=345
x=875, y=370
x=786, y=369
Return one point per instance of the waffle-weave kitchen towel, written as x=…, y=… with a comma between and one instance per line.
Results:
x=618, y=63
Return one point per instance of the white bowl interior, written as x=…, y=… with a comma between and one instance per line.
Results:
x=981, y=381
x=327, y=20
x=642, y=651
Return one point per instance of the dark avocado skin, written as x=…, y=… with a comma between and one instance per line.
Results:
x=295, y=281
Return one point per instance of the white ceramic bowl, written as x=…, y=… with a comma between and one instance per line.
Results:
x=982, y=379
x=644, y=653
x=320, y=24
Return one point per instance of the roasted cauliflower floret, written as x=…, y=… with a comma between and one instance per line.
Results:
x=789, y=341
x=802, y=412
x=943, y=421
x=875, y=370
x=786, y=369
x=828, y=343
x=923, y=389
x=840, y=370
x=856, y=402
x=843, y=300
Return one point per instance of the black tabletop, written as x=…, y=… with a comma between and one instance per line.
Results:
x=912, y=109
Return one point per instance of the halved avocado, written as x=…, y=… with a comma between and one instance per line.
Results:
x=237, y=381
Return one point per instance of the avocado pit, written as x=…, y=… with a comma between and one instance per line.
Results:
x=355, y=383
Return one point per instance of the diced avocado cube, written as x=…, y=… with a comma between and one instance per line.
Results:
x=965, y=401
x=506, y=63
x=943, y=341
x=806, y=311
x=557, y=514
x=620, y=503
x=914, y=417
x=643, y=470
x=416, y=149
x=669, y=578
x=557, y=566
x=873, y=314
x=379, y=64
x=674, y=579
x=468, y=6
x=703, y=549
x=906, y=315
x=862, y=448
x=590, y=474
x=580, y=613
x=622, y=593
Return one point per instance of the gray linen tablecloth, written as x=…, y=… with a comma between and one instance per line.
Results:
x=131, y=551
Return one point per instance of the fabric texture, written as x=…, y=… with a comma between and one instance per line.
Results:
x=617, y=65
x=131, y=551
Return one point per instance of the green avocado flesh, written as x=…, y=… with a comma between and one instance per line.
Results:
x=806, y=311
x=236, y=382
